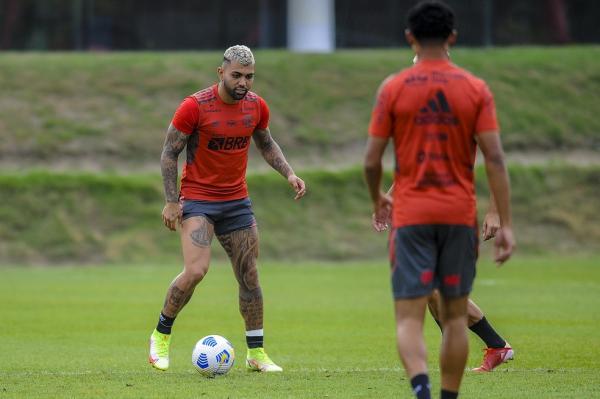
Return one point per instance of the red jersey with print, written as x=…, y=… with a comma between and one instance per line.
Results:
x=433, y=111
x=217, y=151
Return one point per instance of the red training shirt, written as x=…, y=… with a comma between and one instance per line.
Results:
x=217, y=151
x=433, y=110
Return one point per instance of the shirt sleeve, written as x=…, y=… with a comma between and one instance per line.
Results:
x=263, y=123
x=486, y=119
x=381, y=116
x=186, y=116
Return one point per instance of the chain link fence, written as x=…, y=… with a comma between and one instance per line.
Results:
x=214, y=24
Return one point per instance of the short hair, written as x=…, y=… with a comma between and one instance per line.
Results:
x=431, y=21
x=239, y=53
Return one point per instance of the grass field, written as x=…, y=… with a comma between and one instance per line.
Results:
x=79, y=183
x=82, y=332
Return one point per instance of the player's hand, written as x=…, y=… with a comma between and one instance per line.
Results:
x=382, y=224
x=171, y=215
x=504, y=245
x=382, y=208
x=491, y=224
x=298, y=186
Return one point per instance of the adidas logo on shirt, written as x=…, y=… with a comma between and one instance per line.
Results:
x=437, y=112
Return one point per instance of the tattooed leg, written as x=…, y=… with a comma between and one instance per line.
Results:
x=242, y=248
x=196, y=236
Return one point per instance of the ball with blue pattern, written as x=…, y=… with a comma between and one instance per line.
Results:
x=213, y=355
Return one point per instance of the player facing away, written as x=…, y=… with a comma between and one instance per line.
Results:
x=497, y=350
x=436, y=114
x=216, y=124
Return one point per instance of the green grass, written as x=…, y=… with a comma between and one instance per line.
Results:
x=118, y=105
x=82, y=332
x=79, y=217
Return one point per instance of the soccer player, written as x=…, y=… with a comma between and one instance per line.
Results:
x=497, y=350
x=216, y=124
x=436, y=114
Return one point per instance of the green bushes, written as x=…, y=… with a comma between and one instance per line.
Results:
x=64, y=218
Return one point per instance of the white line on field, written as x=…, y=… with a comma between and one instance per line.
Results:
x=288, y=371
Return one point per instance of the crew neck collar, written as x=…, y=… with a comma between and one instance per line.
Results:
x=434, y=61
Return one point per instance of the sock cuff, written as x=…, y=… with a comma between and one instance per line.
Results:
x=445, y=394
x=420, y=378
x=479, y=322
x=254, y=339
x=166, y=320
x=487, y=333
x=421, y=386
x=165, y=323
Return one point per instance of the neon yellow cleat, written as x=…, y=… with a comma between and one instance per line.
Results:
x=258, y=360
x=159, y=350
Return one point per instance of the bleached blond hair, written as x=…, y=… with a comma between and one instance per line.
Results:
x=239, y=53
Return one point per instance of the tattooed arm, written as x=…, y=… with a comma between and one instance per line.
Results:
x=174, y=143
x=272, y=153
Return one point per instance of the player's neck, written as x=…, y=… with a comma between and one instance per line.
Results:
x=433, y=53
x=224, y=96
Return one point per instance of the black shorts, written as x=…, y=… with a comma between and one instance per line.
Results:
x=226, y=216
x=428, y=256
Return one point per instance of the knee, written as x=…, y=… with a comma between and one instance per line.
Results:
x=194, y=276
x=250, y=295
x=454, y=309
x=455, y=322
x=250, y=279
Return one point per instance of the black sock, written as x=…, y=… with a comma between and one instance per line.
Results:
x=491, y=338
x=255, y=342
x=421, y=387
x=448, y=394
x=165, y=324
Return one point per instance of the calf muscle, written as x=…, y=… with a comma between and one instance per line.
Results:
x=242, y=248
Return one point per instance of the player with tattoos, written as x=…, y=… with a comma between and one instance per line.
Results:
x=215, y=126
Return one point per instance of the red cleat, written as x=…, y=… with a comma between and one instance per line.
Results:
x=494, y=357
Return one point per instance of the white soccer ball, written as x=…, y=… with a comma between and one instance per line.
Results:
x=213, y=355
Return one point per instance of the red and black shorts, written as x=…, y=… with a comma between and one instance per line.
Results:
x=428, y=256
x=226, y=216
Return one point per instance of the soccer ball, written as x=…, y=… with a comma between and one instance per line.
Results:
x=213, y=355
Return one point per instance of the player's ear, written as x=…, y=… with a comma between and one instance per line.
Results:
x=410, y=38
x=452, y=38
x=220, y=72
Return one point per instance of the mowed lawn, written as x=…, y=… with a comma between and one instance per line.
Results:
x=82, y=332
